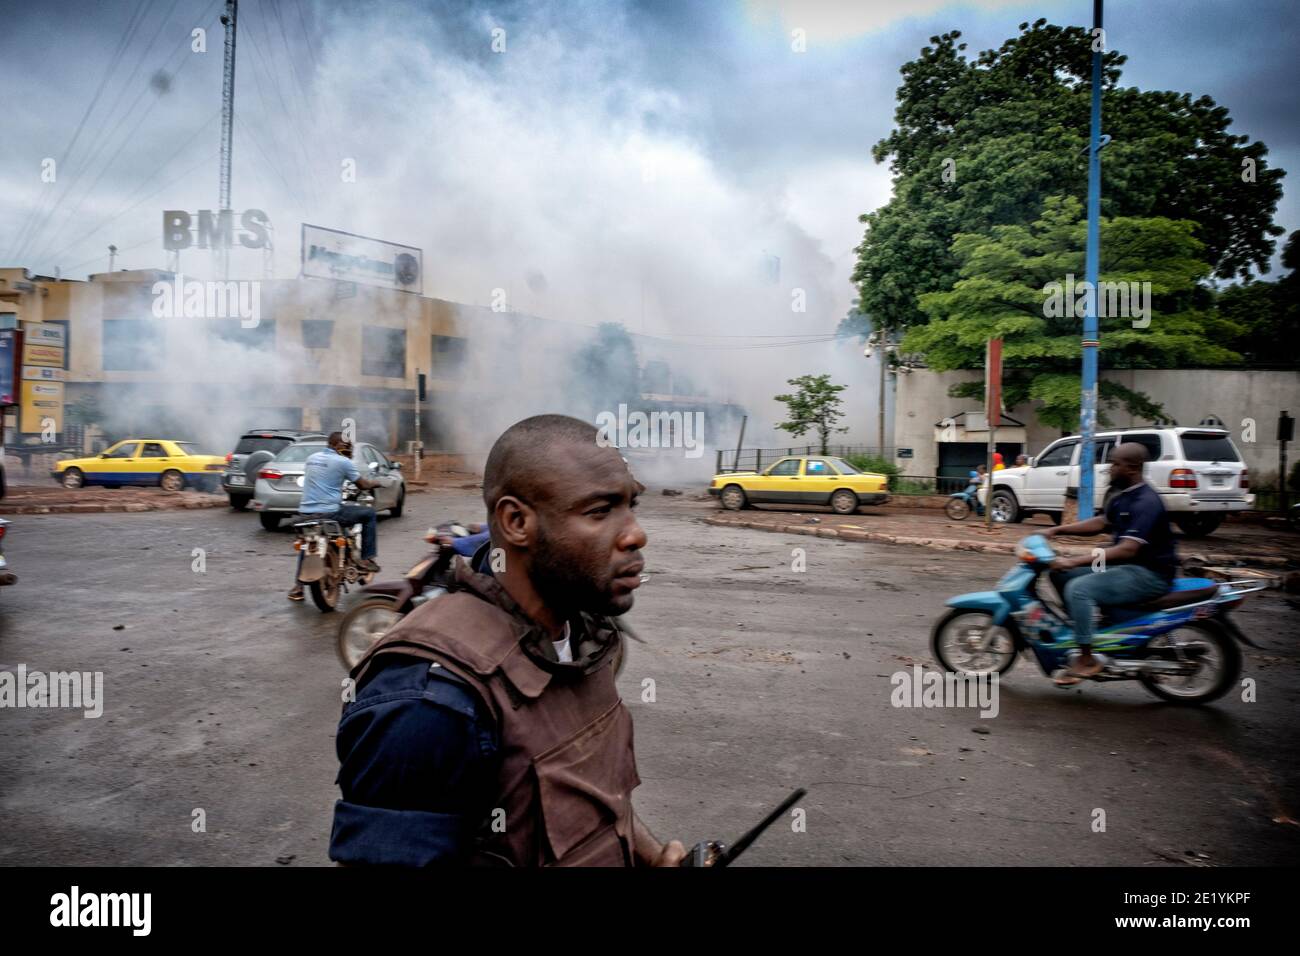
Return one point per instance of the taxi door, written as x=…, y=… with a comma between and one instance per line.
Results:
x=118, y=464
x=820, y=479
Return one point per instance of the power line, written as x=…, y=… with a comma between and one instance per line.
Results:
x=99, y=144
x=127, y=33
x=148, y=179
x=104, y=168
x=298, y=136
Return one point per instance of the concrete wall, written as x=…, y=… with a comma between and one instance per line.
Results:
x=1233, y=396
x=1188, y=396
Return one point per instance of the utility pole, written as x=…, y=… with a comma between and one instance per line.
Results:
x=227, y=129
x=1088, y=402
x=880, y=412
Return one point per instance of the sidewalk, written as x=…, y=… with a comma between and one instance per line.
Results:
x=1232, y=543
x=42, y=500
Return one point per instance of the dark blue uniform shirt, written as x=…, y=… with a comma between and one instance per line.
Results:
x=1137, y=512
x=417, y=763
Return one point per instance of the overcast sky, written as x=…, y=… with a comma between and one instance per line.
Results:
x=624, y=160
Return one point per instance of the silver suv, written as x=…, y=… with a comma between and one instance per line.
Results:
x=1197, y=471
x=255, y=449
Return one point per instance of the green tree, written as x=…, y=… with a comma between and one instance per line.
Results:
x=1268, y=314
x=984, y=142
x=1011, y=285
x=815, y=404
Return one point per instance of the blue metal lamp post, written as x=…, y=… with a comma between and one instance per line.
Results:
x=1088, y=405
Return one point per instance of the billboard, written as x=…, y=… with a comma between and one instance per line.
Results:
x=11, y=347
x=41, y=401
x=331, y=254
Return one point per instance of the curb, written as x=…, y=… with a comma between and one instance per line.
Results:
x=133, y=507
x=854, y=534
x=956, y=544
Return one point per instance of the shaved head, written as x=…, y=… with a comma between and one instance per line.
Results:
x=524, y=459
x=1126, y=461
x=1131, y=453
x=560, y=508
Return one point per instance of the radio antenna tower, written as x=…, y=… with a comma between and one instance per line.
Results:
x=227, y=131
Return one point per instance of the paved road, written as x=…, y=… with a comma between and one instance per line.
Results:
x=222, y=696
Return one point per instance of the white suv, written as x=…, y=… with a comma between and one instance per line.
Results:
x=1197, y=472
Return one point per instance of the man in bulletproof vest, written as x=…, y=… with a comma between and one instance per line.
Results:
x=486, y=727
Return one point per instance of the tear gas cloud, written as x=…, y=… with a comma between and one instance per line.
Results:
x=551, y=178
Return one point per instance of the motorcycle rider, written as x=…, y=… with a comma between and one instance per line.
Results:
x=1138, y=566
x=322, y=497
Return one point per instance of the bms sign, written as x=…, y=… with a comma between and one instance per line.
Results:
x=215, y=229
x=330, y=254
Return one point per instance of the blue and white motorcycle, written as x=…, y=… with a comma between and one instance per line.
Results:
x=1182, y=646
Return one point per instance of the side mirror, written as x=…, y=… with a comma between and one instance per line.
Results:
x=1033, y=461
x=396, y=465
x=103, y=454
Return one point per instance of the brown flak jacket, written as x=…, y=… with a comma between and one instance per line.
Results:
x=567, y=769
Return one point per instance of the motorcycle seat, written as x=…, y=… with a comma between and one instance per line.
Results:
x=1184, y=591
x=329, y=527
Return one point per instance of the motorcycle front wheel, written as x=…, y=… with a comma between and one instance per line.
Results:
x=968, y=642
x=1218, y=666
x=325, y=590
x=363, y=626
x=957, y=509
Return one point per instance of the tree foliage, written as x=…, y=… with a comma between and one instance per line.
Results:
x=1006, y=282
x=815, y=405
x=1015, y=123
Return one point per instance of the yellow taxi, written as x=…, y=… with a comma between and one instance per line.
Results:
x=802, y=480
x=143, y=461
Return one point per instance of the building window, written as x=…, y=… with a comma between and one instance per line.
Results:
x=133, y=345
x=260, y=336
x=448, y=354
x=316, y=333
x=383, y=352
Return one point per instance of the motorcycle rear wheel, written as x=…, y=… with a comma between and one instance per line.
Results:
x=953, y=644
x=1220, y=666
x=363, y=626
x=325, y=590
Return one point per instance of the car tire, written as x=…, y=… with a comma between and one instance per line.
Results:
x=73, y=478
x=253, y=464
x=1198, y=526
x=171, y=480
x=270, y=520
x=844, y=502
x=396, y=510
x=733, y=498
x=240, y=502
x=1004, y=503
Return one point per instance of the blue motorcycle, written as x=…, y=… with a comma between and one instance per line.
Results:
x=1182, y=646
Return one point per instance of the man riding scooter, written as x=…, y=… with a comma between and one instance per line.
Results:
x=322, y=497
x=1139, y=565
